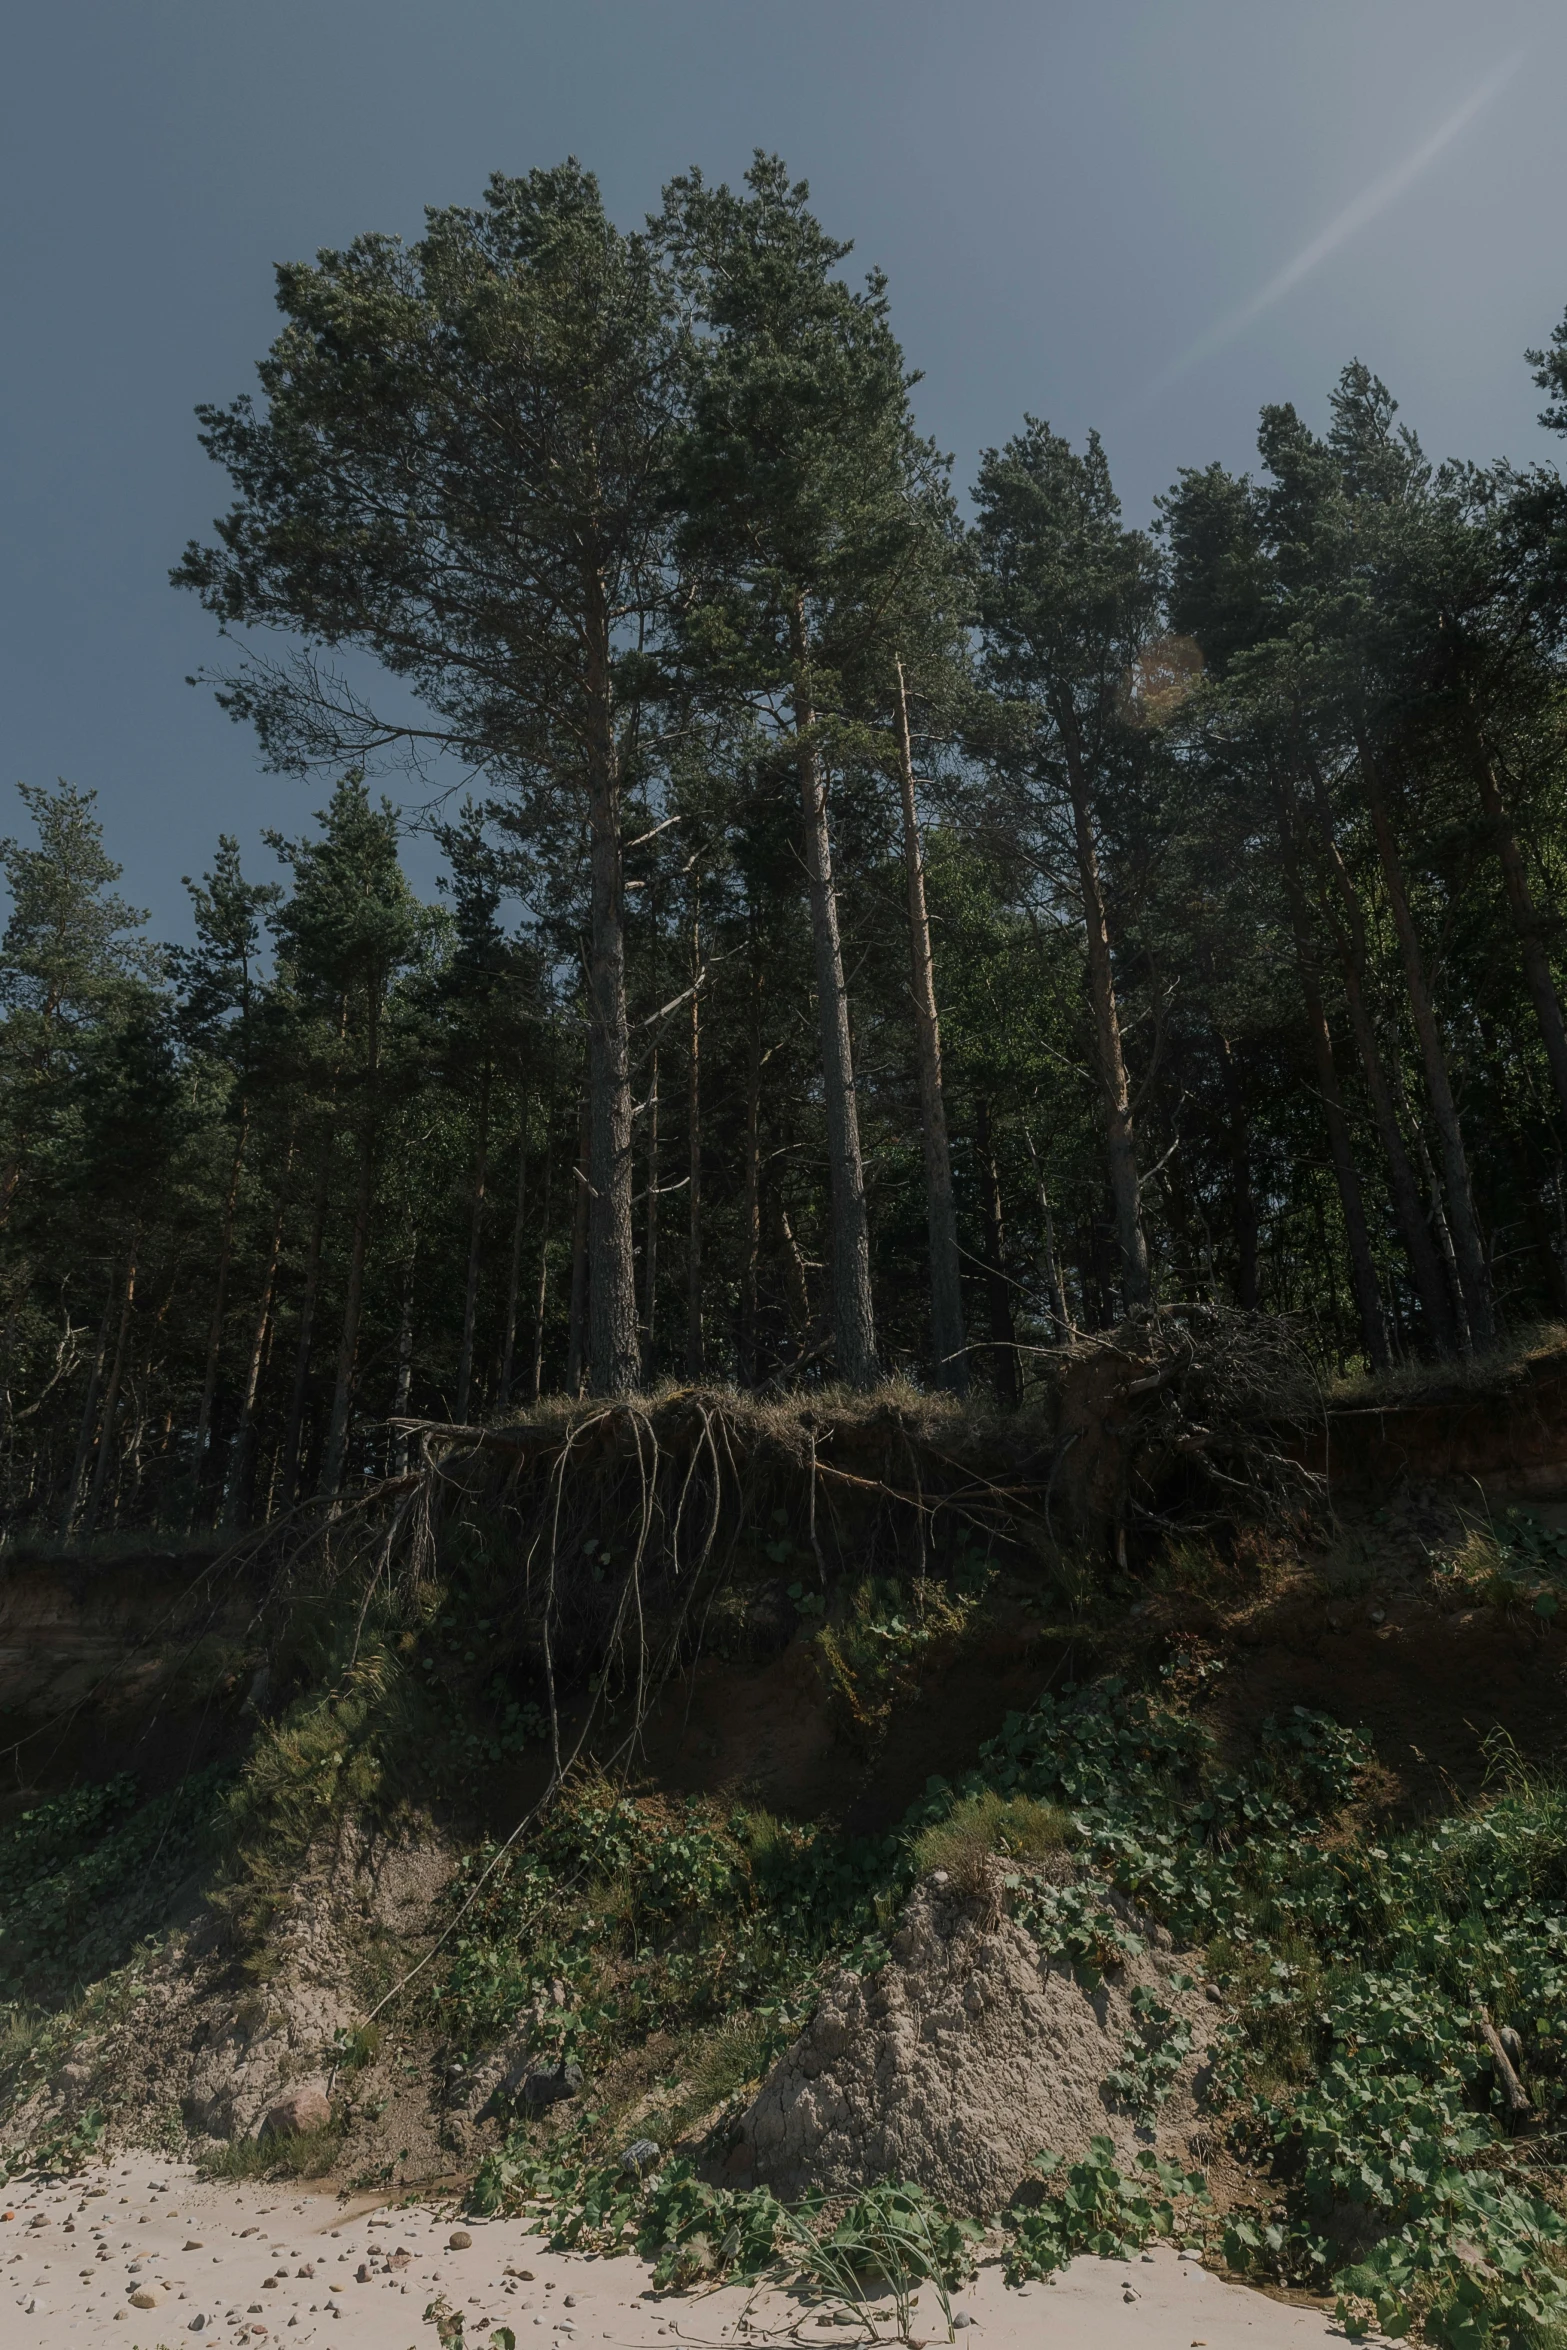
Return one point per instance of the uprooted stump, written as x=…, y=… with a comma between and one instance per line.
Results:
x=967, y=2055
x=1182, y=1419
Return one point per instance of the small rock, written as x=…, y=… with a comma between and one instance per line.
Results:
x=308, y=2108
x=148, y=2297
x=550, y=2086
x=459, y=2240
x=570, y=2301
x=194, y=2244
x=639, y=2156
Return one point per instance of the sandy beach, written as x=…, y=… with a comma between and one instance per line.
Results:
x=144, y=2254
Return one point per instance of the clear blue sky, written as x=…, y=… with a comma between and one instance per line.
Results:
x=1087, y=208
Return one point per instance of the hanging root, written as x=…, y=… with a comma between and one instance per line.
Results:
x=621, y=1529
x=615, y=1541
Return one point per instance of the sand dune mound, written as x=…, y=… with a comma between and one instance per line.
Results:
x=963, y=2058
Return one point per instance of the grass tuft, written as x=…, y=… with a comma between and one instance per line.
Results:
x=986, y=1826
x=280, y=2154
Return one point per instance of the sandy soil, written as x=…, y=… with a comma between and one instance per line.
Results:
x=276, y=2268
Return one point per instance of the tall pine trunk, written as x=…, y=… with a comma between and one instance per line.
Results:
x=581, y=1271
x=1526, y=920
x=209, y=1384
x=1424, y=1263
x=403, y=1384
x=89, y=1418
x=751, y=1213
x=941, y=1220
x=694, y=1349
x=111, y=1399
x=1049, y=1260
x=1363, y=1277
x=514, y=1270
x=353, y=1301
x=853, y=1314
x=242, y=1450
x=650, y=1229
x=1003, y=1336
x=1474, y=1273
x=286, y=1473
x=797, y=1288
x=286, y=1462
x=614, y=1353
x=470, y=1303
x=541, y=1297
x=1114, y=1086
x=1241, y=1183
x=358, y=1243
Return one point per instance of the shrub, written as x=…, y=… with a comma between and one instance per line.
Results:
x=1097, y=2208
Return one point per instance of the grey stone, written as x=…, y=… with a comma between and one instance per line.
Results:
x=549, y=2085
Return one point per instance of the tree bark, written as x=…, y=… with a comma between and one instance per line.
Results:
x=1120, y=1137
x=470, y=1303
x=1003, y=1335
x=514, y=1272
x=209, y=1382
x=1439, y=1223
x=1473, y=1271
x=111, y=1399
x=541, y=1297
x=89, y=1418
x=242, y=1450
x=650, y=1229
x=1526, y=920
x=402, y=1386
x=853, y=1314
x=1425, y=1265
x=286, y=1472
x=1244, y=1194
x=796, y=1287
x=286, y=1462
x=694, y=1348
x=1368, y=1298
x=946, y=1283
x=752, y=1211
x=581, y=1274
x=614, y=1352
x=359, y=1239
x=1049, y=1262
x=348, y=1339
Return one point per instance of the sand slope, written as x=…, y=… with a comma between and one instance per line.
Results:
x=71, y=2256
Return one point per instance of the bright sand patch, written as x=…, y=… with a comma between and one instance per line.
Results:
x=209, y=2250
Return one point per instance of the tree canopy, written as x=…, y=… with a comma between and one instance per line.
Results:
x=879, y=934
